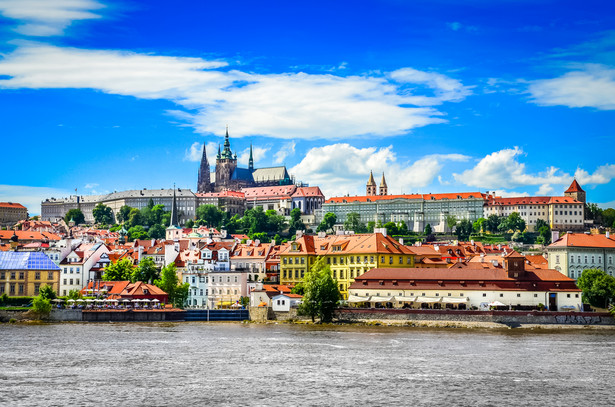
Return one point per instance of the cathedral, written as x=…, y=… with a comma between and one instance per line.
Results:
x=230, y=177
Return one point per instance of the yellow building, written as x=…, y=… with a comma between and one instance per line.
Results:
x=349, y=256
x=24, y=273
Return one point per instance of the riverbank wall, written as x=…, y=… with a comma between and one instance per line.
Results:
x=501, y=317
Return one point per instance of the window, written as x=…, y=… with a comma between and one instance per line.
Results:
x=518, y=295
x=71, y=281
x=501, y=295
x=381, y=259
x=37, y=275
x=21, y=288
x=37, y=287
x=22, y=275
x=484, y=294
x=77, y=281
x=535, y=295
x=12, y=289
x=64, y=281
x=71, y=270
x=50, y=275
x=567, y=295
x=2, y=275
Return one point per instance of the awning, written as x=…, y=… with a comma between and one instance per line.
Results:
x=428, y=299
x=380, y=299
x=401, y=298
x=451, y=300
x=356, y=298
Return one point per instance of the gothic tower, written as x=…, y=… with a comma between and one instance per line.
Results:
x=204, y=182
x=225, y=165
x=251, y=162
x=384, y=190
x=371, y=185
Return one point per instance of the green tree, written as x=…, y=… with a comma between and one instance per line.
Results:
x=169, y=283
x=263, y=237
x=211, y=215
x=608, y=217
x=121, y=270
x=41, y=306
x=593, y=212
x=150, y=203
x=353, y=222
x=402, y=228
x=515, y=222
x=146, y=271
x=327, y=223
x=598, y=287
x=544, y=232
x=233, y=224
x=451, y=222
x=135, y=218
x=464, y=229
x=255, y=220
x=298, y=289
x=275, y=223
x=391, y=228
x=295, y=221
x=427, y=231
x=189, y=224
x=321, y=293
x=157, y=231
x=76, y=215
x=137, y=232
x=122, y=214
x=47, y=292
x=74, y=295
x=492, y=224
x=102, y=214
x=370, y=226
x=479, y=225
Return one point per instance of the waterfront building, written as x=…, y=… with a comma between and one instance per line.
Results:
x=283, y=199
x=11, y=213
x=575, y=252
x=284, y=302
x=510, y=283
x=125, y=290
x=24, y=273
x=560, y=212
x=77, y=264
x=263, y=293
x=348, y=256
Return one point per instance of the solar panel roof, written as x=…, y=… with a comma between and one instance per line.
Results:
x=26, y=261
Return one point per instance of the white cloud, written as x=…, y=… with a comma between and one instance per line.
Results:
x=287, y=150
x=30, y=197
x=284, y=106
x=592, y=86
x=341, y=164
x=48, y=17
x=91, y=185
x=507, y=194
x=258, y=153
x=502, y=169
x=194, y=153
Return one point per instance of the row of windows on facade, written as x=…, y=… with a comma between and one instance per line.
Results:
x=22, y=275
x=71, y=270
x=585, y=257
x=213, y=279
x=351, y=260
x=20, y=287
x=71, y=281
x=573, y=274
x=342, y=275
x=461, y=295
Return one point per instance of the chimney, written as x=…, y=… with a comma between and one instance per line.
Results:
x=401, y=240
x=299, y=234
x=494, y=262
x=608, y=234
x=554, y=235
x=482, y=257
x=322, y=235
x=257, y=242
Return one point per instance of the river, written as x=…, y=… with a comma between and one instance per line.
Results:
x=234, y=364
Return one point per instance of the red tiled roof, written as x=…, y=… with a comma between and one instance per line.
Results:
x=583, y=240
x=574, y=187
x=11, y=205
x=531, y=200
x=426, y=197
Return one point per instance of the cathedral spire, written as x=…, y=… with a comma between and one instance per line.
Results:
x=371, y=185
x=251, y=161
x=384, y=190
x=204, y=181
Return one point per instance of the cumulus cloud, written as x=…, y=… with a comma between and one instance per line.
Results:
x=30, y=197
x=284, y=106
x=43, y=18
x=287, y=150
x=503, y=169
x=194, y=153
x=258, y=153
x=592, y=86
x=91, y=185
x=341, y=169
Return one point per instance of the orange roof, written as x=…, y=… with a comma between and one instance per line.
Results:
x=11, y=205
x=269, y=192
x=583, y=240
x=234, y=194
x=28, y=235
x=426, y=197
x=308, y=191
x=574, y=187
x=531, y=200
x=347, y=244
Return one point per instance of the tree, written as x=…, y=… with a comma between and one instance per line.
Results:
x=46, y=292
x=492, y=223
x=464, y=229
x=74, y=295
x=169, y=283
x=544, y=232
x=427, y=231
x=402, y=228
x=119, y=271
x=391, y=228
x=479, y=225
x=262, y=237
x=102, y=214
x=298, y=289
x=608, y=217
x=598, y=287
x=233, y=224
x=353, y=222
x=275, y=223
x=122, y=214
x=295, y=223
x=255, y=220
x=41, y=306
x=370, y=226
x=211, y=214
x=137, y=232
x=189, y=224
x=146, y=271
x=76, y=215
x=515, y=222
x=327, y=223
x=321, y=294
x=451, y=222
x=157, y=231
x=134, y=218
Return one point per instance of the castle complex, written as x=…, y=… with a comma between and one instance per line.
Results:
x=230, y=177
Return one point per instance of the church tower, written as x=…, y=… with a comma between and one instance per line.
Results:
x=575, y=191
x=251, y=162
x=204, y=182
x=384, y=190
x=371, y=185
x=225, y=165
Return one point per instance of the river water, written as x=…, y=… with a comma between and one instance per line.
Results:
x=233, y=364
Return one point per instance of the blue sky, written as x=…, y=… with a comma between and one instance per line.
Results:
x=516, y=97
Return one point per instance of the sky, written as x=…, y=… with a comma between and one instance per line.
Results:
x=516, y=97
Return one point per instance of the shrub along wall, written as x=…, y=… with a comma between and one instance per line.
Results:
x=15, y=301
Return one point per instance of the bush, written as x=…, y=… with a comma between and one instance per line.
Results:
x=41, y=306
x=16, y=301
